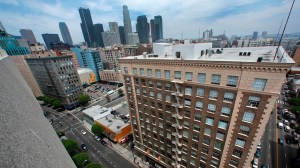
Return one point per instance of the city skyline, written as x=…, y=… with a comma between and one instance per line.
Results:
x=219, y=16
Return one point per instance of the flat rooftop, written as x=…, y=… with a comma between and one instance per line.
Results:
x=114, y=123
x=97, y=112
x=205, y=52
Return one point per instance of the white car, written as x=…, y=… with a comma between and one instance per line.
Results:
x=286, y=122
x=259, y=146
x=280, y=125
x=255, y=163
x=83, y=132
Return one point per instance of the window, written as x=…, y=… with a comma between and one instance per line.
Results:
x=197, y=116
x=222, y=124
x=203, y=158
x=159, y=96
x=215, y=79
x=259, y=84
x=186, y=124
x=228, y=97
x=253, y=101
x=234, y=163
x=199, y=104
x=150, y=84
x=216, y=155
x=225, y=111
x=189, y=76
x=157, y=73
x=204, y=150
x=177, y=75
x=168, y=86
x=237, y=153
x=200, y=92
x=185, y=134
x=206, y=141
x=194, y=154
x=232, y=81
x=142, y=71
x=219, y=145
x=151, y=94
x=195, y=146
x=207, y=131
x=211, y=108
x=244, y=130
x=220, y=136
x=149, y=72
x=168, y=98
x=214, y=163
x=209, y=121
x=195, y=137
x=187, y=113
x=129, y=89
x=213, y=94
x=201, y=77
x=158, y=85
x=240, y=143
x=167, y=74
x=188, y=90
x=144, y=92
x=126, y=70
x=187, y=102
x=196, y=127
x=248, y=117
x=135, y=71
x=137, y=91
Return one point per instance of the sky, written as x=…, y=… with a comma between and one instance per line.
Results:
x=181, y=18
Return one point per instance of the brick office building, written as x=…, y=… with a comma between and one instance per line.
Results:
x=194, y=106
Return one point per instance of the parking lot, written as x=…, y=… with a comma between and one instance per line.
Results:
x=98, y=89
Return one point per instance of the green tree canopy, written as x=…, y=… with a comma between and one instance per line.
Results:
x=297, y=130
x=97, y=130
x=83, y=99
x=294, y=101
x=60, y=133
x=70, y=145
x=56, y=104
x=93, y=165
x=40, y=98
x=80, y=159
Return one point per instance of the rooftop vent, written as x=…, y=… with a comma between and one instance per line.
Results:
x=109, y=121
x=118, y=127
x=259, y=59
x=241, y=53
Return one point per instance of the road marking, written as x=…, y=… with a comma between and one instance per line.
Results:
x=269, y=146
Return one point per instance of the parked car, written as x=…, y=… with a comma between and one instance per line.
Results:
x=258, y=153
x=83, y=132
x=84, y=147
x=97, y=138
x=259, y=146
x=279, y=117
x=280, y=140
x=124, y=140
x=280, y=125
x=286, y=122
x=255, y=163
x=287, y=128
x=103, y=142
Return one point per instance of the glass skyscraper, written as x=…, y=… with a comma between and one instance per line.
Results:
x=127, y=23
x=98, y=29
x=11, y=45
x=87, y=26
x=158, y=27
x=142, y=27
x=50, y=38
x=65, y=33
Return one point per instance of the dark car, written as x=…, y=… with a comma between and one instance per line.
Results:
x=288, y=141
x=279, y=117
x=280, y=140
x=113, y=112
x=264, y=166
x=258, y=153
x=103, y=142
x=97, y=138
x=84, y=147
x=68, y=114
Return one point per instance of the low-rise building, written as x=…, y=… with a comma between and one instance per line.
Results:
x=111, y=76
x=38, y=50
x=86, y=75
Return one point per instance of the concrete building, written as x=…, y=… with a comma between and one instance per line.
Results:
x=255, y=35
x=113, y=27
x=130, y=51
x=33, y=143
x=261, y=42
x=111, y=55
x=23, y=43
x=38, y=50
x=58, y=78
x=194, y=106
x=73, y=55
x=296, y=56
x=86, y=75
x=113, y=76
x=133, y=39
x=114, y=127
x=87, y=27
x=49, y=39
x=109, y=38
x=64, y=30
x=60, y=46
x=3, y=53
x=142, y=28
x=264, y=34
x=98, y=29
x=127, y=23
x=28, y=35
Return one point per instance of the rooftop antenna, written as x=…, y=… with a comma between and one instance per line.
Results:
x=284, y=31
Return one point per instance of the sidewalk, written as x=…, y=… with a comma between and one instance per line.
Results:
x=127, y=154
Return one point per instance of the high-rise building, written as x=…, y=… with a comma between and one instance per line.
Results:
x=89, y=58
x=11, y=45
x=264, y=34
x=2, y=28
x=73, y=55
x=64, y=30
x=122, y=35
x=142, y=28
x=255, y=35
x=87, y=26
x=57, y=78
x=98, y=29
x=49, y=39
x=152, y=27
x=28, y=35
x=23, y=43
x=192, y=107
x=210, y=35
x=39, y=145
x=206, y=35
x=110, y=38
x=158, y=27
x=127, y=23
x=113, y=27
x=133, y=39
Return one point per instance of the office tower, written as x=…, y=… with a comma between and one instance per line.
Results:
x=49, y=39
x=122, y=35
x=113, y=27
x=142, y=28
x=87, y=26
x=264, y=34
x=28, y=35
x=34, y=139
x=133, y=39
x=89, y=58
x=2, y=28
x=110, y=38
x=255, y=35
x=152, y=27
x=98, y=29
x=64, y=30
x=158, y=27
x=57, y=78
x=11, y=45
x=127, y=22
x=210, y=35
x=206, y=35
x=193, y=107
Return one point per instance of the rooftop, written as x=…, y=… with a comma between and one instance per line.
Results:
x=97, y=112
x=205, y=52
x=112, y=122
x=84, y=70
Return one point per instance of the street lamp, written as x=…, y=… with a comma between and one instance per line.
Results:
x=83, y=163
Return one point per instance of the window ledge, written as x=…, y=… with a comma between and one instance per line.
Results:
x=252, y=107
x=239, y=146
x=236, y=156
x=243, y=134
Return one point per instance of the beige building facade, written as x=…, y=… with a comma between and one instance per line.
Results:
x=111, y=76
x=194, y=106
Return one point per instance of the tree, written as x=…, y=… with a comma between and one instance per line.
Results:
x=296, y=109
x=71, y=146
x=60, y=133
x=40, y=98
x=297, y=130
x=294, y=101
x=56, y=104
x=93, y=165
x=97, y=130
x=83, y=99
x=80, y=159
x=120, y=91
